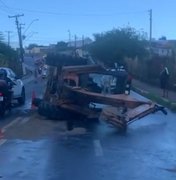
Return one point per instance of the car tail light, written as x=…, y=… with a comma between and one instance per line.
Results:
x=1, y=94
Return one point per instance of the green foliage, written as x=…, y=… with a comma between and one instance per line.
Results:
x=31, y=46
x=164, y=38
x=9, y=57
x=148, y=69
x=113, y=46
x=156, y=98
x=61, y=46
x=1, y=37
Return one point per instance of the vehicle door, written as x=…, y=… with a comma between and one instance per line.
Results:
x=17, y=87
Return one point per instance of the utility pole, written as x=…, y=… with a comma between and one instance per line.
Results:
x=82, y=41
x=75, y=41
x=21, y=48
x=20, y=39
x=69, y=38
x=83, y=45
x=19, y=34
x=75, y=45
x=151, y=19
x=8, y=36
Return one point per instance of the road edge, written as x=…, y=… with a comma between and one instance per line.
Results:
x=160, y=100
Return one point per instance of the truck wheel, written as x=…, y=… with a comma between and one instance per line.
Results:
x=50, y=111
x=42, y=109
x=56, y=113
x=53, y=112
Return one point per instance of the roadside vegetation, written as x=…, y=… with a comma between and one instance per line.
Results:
x=9, y=57
x=114, y=46
x=129, y=47
x=154, y=97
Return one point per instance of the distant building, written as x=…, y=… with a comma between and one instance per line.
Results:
x=162, y=48
x=80, y=43
x=42, y=50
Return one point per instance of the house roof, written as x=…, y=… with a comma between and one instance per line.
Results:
x=165, y=44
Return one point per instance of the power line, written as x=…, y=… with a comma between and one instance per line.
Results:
x=49, y=41
x=75, y=14
x=81, y=14
x=3, y=4
x=4, y=11
x=30, y=35
x=43, y=40
x=150, y=13
x=30, y=25
x=7, y=9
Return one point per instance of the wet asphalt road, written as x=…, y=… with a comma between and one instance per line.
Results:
x=146, y=151
x=39, y=149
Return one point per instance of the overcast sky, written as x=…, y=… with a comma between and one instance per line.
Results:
x=85, y=17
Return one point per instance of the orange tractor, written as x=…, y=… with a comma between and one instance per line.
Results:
x=75, y=88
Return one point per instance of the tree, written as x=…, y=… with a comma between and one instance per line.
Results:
x=163, y=38
x=61, y=46
x=1, y=37
x=9, y=57
x=113, y=46
x=31, y=46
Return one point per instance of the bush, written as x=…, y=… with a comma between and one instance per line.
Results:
x=9, y=58
x=148, y=70
x=113, y=46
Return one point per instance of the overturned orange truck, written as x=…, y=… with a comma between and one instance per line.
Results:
x=73, y=88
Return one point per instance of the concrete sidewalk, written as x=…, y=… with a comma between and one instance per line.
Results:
x=155, y=93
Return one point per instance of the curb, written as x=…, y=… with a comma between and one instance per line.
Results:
x=165, y=102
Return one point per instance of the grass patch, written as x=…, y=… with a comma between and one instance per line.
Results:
x=165, y=102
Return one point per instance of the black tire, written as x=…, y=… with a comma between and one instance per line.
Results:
x=49, y=111
x=56, y=113
x=43, y=108
x=52, y=112
x=37, y=101
x=22, y=99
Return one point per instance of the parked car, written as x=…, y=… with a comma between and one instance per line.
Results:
x=18, y=88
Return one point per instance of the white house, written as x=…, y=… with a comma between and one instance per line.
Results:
x=163, y=48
